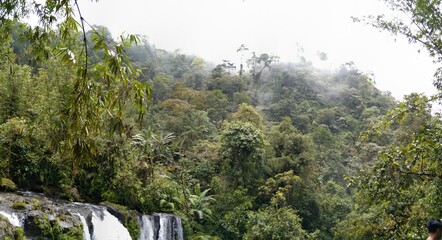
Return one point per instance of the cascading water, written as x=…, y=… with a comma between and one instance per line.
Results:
x=161, y=226
x=147, y=228
x=86, y=233
x=14, y=219
x=107, y=226
x=98, y=221
x=104, y=226
x=178, y=228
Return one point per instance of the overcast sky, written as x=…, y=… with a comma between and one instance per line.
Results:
x=214, y=29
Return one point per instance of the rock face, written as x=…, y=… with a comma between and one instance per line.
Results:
x=38, y=217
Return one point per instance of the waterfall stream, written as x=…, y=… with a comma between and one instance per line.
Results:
x=99, y=224
x=107, y=226
x=86, y=234
x=147, y=227
x=13, y=218
x=161, y=226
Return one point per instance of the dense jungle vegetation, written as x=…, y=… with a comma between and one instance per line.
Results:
x=269, y=151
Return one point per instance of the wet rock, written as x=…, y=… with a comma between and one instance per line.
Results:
x=31, y=224
x=114, y=211
x=74, y=194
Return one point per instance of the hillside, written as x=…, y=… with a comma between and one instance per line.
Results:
x=262, y=153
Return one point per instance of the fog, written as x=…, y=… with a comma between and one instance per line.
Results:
x=288, y=28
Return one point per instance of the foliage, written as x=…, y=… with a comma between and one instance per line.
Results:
x=257, y=64
x=19, y=234
x=17, y=152
x=335, y=205
x=19, y=205
x=52, y=230
x=281, y=223
x=291, y=149
x=154, y=149
x=248, y=114
x=403, y=185
x=259, y=155
x=232, y=209
x=217, y=105
x=7, y=184
x=242, y=152
x=199, y=204
x=278, y=191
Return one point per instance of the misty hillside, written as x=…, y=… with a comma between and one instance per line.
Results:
x=309, y=119
x=263, y=151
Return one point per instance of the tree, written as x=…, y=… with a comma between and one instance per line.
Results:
x=248, y=114
x=403, y=187
x=217, y=105
x=335, y=204
x=228, y=84
x=161, y=88
x=154, y=148
x=420, y=22
x=194, y=97
x=100, y=90
x=242, y=49
x=292, y=150
x=242, y=152
x=281, y=224
x=258, y=64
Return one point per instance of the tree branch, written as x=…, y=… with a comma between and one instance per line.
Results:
x=84, y=40
x=421, y=174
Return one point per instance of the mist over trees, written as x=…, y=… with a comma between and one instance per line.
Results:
x=274, y=150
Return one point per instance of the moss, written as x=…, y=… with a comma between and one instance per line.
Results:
x=19, y=205
x=122, y=209
x=6, y=229
x=35, y=204
x=7, y=184
x=52, y=230
x=133, y=227
x=19, y=234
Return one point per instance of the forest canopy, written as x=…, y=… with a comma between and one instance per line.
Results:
x=274, y=150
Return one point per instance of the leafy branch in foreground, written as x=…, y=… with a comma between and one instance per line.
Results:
x=100, y=91
x=403, y=186
x=414, y=104
x=420, y=21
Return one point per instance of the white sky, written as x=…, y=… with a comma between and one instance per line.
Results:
x=214, y=29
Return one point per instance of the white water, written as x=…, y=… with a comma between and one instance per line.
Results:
x=147, y=228
x=167, y=226
x=107, y=227
x=104, y=225
x=86, y=234
x=165, y=231
x=179, y=229
x=13, y=218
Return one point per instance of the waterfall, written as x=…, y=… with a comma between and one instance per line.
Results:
x=13, y=218
x=98, y=223
x=178, y=228
x=165, y=228
x=86, y=234
x=108, y=227
x=161, y=226
x=147, y=228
